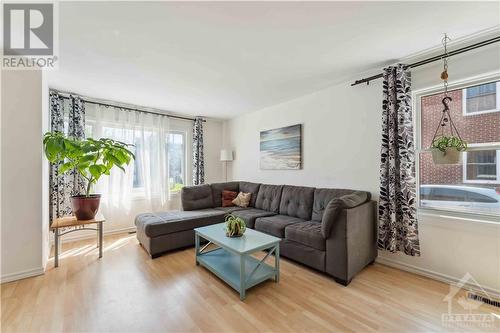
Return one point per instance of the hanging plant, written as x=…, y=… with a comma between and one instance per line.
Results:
x=446, y=148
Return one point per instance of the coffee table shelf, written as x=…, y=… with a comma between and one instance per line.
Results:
x=232, y=261
x=227, y=267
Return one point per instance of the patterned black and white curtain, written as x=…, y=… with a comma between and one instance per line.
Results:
x=66, y=116
x=198, y=158
x=398, y=229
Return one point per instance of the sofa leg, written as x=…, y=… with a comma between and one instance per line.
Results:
x=154, y=256
x=343, y=282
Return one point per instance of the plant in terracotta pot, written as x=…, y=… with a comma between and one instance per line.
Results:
x=235, y=226
x=446, y=149
x=92, y=159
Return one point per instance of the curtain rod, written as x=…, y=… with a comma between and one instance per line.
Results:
x=127, y=108
x=435, y=58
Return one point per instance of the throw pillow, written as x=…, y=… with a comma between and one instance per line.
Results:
x=228, y=197
x=243, y=199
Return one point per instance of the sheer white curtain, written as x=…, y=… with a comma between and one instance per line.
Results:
x=144, y=186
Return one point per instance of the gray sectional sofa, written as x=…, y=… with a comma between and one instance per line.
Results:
x=330, y=230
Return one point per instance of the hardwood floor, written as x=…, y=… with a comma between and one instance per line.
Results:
x=127, y=291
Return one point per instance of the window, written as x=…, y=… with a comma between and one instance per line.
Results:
x=482, y=98
x=482, y=166
x=473, y=186
x=138, y=178
x=176, y=161
x=175, y=148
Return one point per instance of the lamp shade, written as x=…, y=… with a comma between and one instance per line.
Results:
x=226, y=155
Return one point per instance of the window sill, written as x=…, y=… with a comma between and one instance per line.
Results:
x=469, y=217
x=482, y=182
x=478, y=113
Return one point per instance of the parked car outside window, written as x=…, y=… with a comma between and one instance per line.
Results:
x=461, y=197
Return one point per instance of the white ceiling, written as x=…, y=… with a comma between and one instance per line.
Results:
x=221, y=59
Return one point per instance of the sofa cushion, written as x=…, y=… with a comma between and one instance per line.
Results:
x=217, y=189
x=306, y=255
x=269, y=197
x=228, y=197
x=250, y=214
x=306, y=233
x=322, y=196
x=229, y=210
x=297, y=201
x=247, y=187
x=161, y=223
x=275, y=225
x=335, y=206
x=197, y=197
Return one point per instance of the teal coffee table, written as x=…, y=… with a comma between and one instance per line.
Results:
x=231, y=260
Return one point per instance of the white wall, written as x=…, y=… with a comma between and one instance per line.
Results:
x=341, y=145
x=22, y=248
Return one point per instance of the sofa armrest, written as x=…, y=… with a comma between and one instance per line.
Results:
x=352, y=243
x=336, y=205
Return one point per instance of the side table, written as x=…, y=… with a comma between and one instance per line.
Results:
x=76, y=225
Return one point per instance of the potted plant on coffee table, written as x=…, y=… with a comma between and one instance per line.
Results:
x=235, y=226
x=92, y=159
x=446, y=149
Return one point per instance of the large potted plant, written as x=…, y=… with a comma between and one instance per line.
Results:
x=446, y=149
x=92, y=159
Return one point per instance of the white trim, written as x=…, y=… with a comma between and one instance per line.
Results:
x=455, y=43
x=22, y=275
x=477, y=113
x=433, y=275
x=458, y=84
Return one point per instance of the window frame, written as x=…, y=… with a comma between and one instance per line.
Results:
x=416, y=104
x=464, y=101
x=480, y=147
x=185, y=160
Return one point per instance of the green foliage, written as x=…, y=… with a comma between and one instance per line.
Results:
x=92, y=158
x=443, y=142
x=176, y=187
x=235, y=226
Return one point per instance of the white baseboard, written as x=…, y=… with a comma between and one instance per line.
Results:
x=22, y=275
x=89, y=234
x=433, y=275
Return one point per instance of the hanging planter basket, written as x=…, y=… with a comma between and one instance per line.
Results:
x=446, y=149
x=446, y=143
x=450, y=156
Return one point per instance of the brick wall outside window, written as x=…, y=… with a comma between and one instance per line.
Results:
x=480, y=128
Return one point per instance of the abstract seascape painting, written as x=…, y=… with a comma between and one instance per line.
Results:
x=281, y=148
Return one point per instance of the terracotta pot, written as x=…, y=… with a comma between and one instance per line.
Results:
x=450, y=156
x=85, y=207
